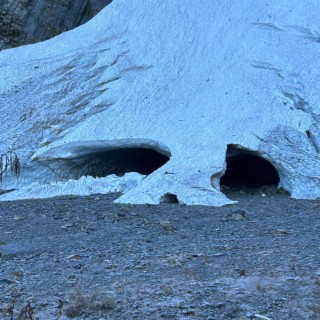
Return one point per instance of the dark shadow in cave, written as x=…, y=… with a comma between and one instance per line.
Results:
x=169, y=198
x=247, y=169
x=116, y=161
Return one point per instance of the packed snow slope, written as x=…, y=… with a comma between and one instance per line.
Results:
x=183, y=78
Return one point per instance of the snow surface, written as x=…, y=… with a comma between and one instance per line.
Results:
x=183, y=78
x=84, y=186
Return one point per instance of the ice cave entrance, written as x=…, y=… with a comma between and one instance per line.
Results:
x=246, y=168
x=116, y=161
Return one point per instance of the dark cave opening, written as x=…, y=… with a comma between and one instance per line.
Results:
x=169, y=198
x=247, y=169
x=116, y=161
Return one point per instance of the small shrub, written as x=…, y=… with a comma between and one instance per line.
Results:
x=10, y=309
x=26, y=313
x=79, y=304
x=9, y=160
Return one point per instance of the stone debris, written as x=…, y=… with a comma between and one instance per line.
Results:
x=235, y=215
x=129, y=269
x=74, y=257
x=166, y=225
x=258, y=316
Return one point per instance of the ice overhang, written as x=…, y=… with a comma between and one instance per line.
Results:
x=103, y=158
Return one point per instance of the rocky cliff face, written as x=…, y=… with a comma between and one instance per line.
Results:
x=28, y=21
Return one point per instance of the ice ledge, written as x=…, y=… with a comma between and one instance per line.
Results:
x=189, y=189
x=83, y=187
x=296, y=159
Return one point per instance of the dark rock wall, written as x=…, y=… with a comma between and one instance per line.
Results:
x=28, y=21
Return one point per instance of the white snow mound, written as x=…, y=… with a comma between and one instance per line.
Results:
x=84, y=186
x=190, y=83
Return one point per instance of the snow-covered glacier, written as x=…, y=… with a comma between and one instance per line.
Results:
x=169, y=89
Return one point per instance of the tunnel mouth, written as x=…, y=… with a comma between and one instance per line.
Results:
x=169, y=198
x=115, y=161
x=247, y=169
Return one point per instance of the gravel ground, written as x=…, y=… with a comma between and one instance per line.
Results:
x=87, y=258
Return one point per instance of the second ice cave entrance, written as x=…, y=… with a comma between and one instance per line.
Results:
x=169, y=198
x=114, y=161
x=246, y=168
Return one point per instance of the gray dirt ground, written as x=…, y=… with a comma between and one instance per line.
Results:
x=87, y=258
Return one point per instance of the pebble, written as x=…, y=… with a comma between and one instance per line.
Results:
x=280, y=232
x=258, y=316
x=68, y=225
x=235, y=215
x=166, y=225
x=74, y=257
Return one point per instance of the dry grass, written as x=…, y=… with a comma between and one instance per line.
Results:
x=79, y=304
x=26, y=313
x=9, y=160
